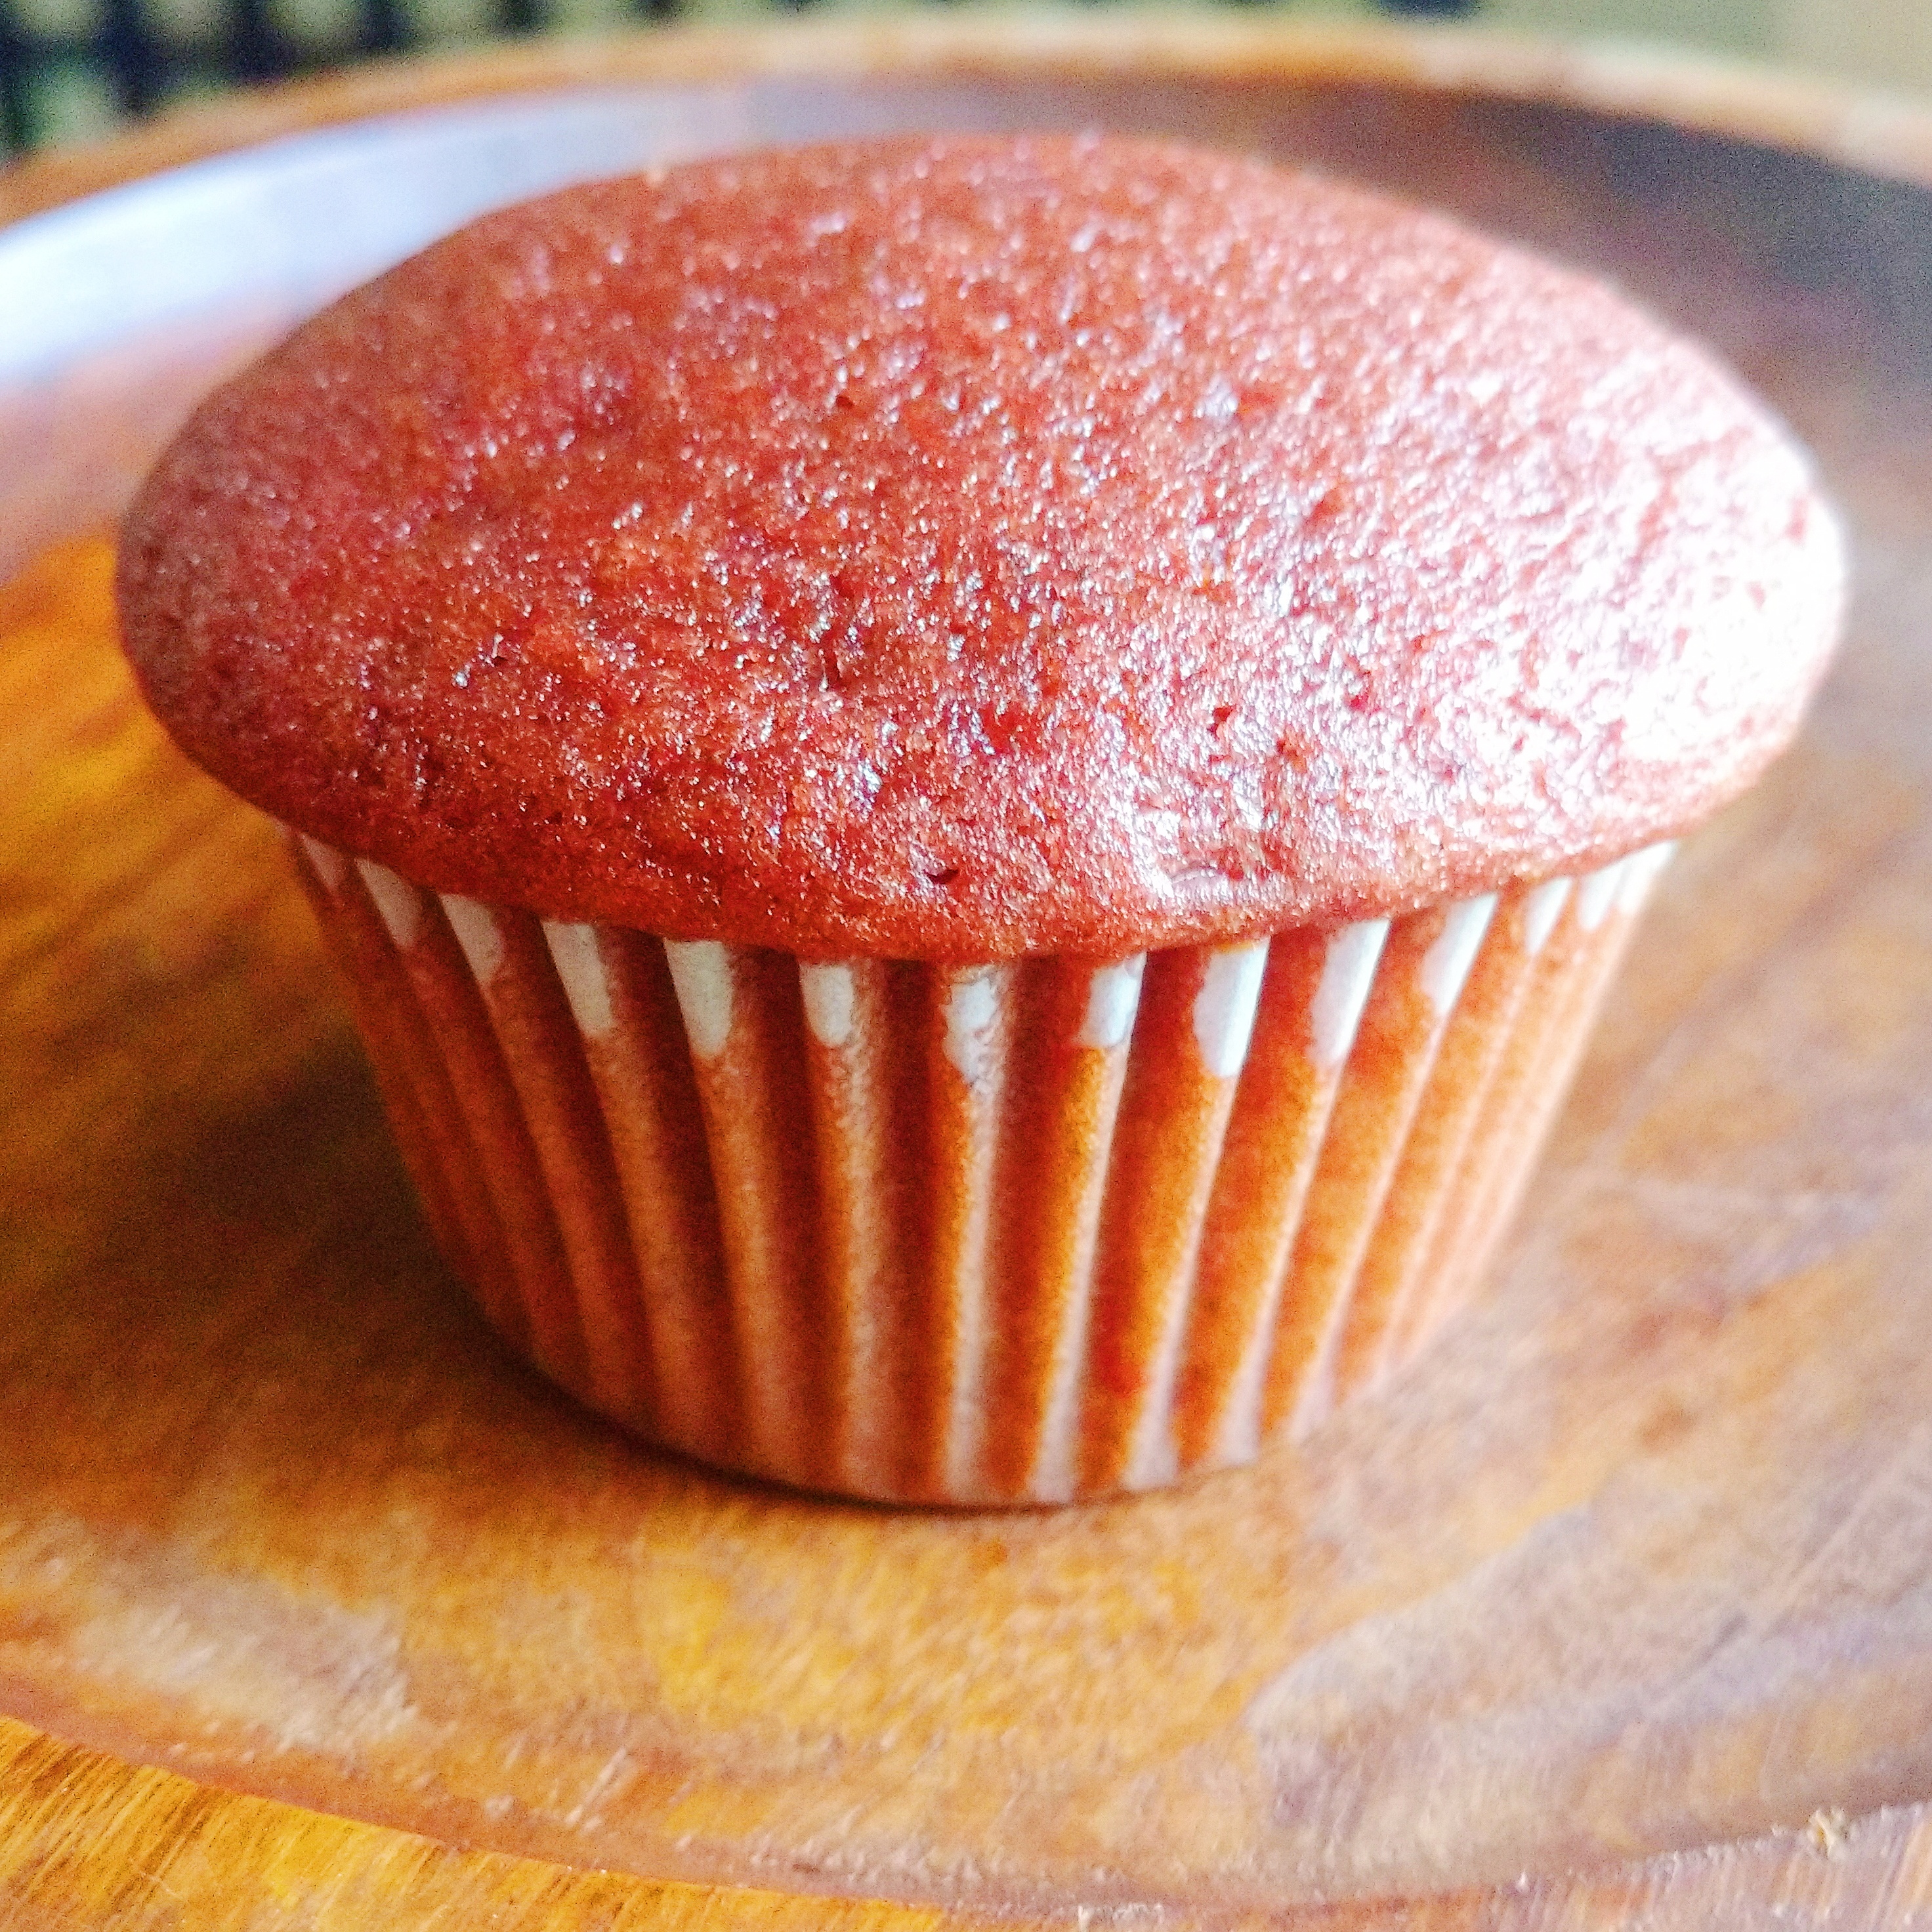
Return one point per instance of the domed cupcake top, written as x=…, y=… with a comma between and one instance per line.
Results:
x=967, y=548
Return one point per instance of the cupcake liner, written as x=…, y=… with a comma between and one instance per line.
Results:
x=1021, y=1232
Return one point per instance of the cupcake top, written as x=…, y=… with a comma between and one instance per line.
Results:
x=969, y=548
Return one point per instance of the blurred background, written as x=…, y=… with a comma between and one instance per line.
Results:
x=74, y=70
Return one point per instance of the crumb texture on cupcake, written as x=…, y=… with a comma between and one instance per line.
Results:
x=976, y=548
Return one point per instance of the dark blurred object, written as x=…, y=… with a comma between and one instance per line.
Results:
x=69, y=69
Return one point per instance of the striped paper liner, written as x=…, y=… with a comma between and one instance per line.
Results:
x=1030, y=1231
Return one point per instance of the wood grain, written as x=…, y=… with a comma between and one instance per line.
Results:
x=1617, y=1607
x=90, y=1842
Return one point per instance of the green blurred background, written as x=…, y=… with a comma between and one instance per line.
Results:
x=75, y=70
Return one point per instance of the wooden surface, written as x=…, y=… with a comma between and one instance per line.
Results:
x=1886, y=133
x=1617, y=1608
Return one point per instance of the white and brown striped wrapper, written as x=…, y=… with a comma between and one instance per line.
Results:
x=1025, y=1232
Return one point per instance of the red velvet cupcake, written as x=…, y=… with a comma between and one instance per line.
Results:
x=976, y=792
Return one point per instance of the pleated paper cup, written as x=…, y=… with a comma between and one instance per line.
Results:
x=1023, y=1232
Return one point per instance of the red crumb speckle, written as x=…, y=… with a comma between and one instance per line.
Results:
x=979, y=548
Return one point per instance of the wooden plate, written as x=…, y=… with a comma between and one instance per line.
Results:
x=316, y=1610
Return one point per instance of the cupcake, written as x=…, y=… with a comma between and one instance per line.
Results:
x=974, y=794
